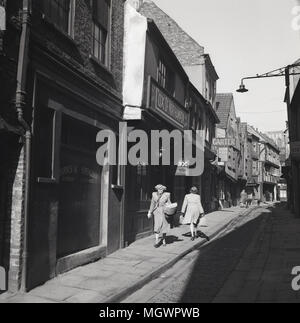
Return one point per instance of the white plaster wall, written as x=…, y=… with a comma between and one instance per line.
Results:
x=195, y=74
x=220, y=133
x=134, y=56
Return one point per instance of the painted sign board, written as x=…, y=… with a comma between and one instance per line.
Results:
x=160, y=102
x=224, y=142
x=223, y=154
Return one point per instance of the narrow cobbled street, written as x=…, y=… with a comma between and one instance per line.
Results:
x=234, y=267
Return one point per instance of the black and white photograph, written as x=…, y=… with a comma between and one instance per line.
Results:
x=149, y=154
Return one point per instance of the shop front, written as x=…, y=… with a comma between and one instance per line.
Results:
x=69, y=221
x=162, y=114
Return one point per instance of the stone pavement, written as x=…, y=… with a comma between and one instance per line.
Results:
x=111, y=279
x=264, y=274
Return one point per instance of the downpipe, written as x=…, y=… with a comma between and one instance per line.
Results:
x=20, y=106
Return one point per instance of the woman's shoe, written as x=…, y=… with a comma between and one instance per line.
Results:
x=193, y=238
x=164, y=243
x=156, y=245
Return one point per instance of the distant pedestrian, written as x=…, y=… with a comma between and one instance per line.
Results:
x=243, y=198
x=161, y=226
x=229, y=199
x=249, y=200
x=192, y=210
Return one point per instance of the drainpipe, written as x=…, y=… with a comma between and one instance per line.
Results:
x=20, y=105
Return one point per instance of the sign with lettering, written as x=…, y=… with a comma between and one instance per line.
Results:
x=224, y=142
x=182, y=168
x=223, y=154
x=295, y=150
x=166, y=106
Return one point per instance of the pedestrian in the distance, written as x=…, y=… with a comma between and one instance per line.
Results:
x=243, y=198
x=192, y=210
x=249, y=200
x=160, y=199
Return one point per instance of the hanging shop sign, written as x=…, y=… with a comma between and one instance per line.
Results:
x=224, y=142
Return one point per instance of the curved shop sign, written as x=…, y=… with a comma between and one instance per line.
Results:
x=167, y=107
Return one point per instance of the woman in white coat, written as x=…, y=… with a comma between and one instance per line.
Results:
x=192, y=210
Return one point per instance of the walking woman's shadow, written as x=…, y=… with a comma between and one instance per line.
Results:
x=202, y=235
x=172, y=239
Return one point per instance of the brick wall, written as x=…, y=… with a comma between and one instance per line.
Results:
x=76, y=52
x=14, y=228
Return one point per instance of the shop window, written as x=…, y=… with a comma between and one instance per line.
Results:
x=101, y=21
x=60, y=13
x=144, y=180
x=44, y=134
x=196, y=116
x=116, y=169
x=192, y=117
x=79, y=188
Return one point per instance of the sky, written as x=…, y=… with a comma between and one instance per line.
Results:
x=245, y=38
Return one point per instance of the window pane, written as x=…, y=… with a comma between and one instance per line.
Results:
x=79, y=190
x=44, y=137
x=100, y=43
x=101, y=12
x=58, y=11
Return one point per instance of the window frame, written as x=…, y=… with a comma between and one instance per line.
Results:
x=166, y=77
x=49, y=17
x=107, y=61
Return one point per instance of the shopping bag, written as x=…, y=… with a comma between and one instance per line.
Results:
x=171, y=209
x=181, y=219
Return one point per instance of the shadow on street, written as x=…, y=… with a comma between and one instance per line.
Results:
x=217, y=260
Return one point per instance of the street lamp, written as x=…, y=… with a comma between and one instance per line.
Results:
x=242, y=88
x=280, y=72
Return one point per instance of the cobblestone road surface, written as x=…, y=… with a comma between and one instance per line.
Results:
x=212, y=273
